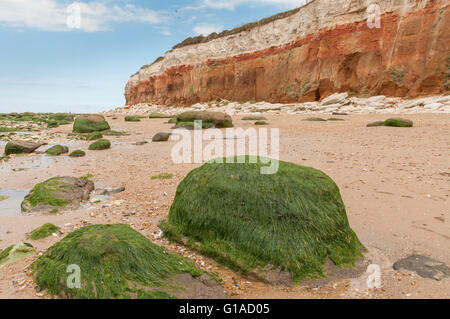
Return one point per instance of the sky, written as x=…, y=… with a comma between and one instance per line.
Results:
x=65, y=56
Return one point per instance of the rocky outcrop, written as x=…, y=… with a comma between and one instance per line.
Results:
x=307, y=56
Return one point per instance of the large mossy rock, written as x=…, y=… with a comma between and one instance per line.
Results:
x=19, y=147
x=209, y=119
x=293, y=221
x=90, y=123
x=14, y=253
x=57, y=193
x=118, y=262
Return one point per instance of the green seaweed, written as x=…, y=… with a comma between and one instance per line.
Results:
x=46, y=193
x=57, y=150
x=293, y=220
x=132, y=118
x=163, y=176
x=100, y=145
x=115, y=261
x=42, y=232
x=84, y=125
x=94, y=136
x=77, y=153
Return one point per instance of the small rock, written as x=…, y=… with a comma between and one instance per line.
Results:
x=161, y=137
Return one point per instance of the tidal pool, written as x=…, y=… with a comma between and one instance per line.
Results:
x=11, y=205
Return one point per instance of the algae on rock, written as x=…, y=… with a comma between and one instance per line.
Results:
x=292, y=221
x=42, y=232
x=14, y=253
x=90, y=123
x=56, y=193
x=115, y=262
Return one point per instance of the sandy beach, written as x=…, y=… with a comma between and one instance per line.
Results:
x=394, y=182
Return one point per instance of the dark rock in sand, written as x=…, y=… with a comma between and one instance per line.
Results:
x=19, y=147
x=161, y=137
x=424, y=266
x=340, y=113
x=109, y=192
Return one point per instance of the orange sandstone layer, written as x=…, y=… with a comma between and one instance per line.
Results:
x=409, y=56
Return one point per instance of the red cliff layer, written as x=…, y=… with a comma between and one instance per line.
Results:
x=408, y=56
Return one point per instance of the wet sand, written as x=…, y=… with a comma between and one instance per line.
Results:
x=394, y=182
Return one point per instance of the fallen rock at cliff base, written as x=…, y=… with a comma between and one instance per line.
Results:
x=19, y=147
x=336, y=98
x=56, y=193
x=90, y=123
x=117, y=262
x=222, y=210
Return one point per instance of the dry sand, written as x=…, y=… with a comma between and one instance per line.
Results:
x=394, y=182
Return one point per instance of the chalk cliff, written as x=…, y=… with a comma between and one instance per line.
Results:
x=323, y=48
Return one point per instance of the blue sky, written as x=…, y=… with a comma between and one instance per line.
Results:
x=49, y=66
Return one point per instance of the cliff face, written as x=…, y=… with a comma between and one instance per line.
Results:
x=320, y=50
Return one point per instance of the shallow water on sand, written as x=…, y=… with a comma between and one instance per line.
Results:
x=11, y=206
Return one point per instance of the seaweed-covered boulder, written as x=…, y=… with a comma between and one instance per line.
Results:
x=315, y=119
x=56, y=193
x=278, y=228
x=90, y=123
x=161, y=137
x=160, y=116
x=209, y=119
x=116, y=261
x=132, y=118
x=14, y=253
x=19, y=147
x=254, y=118
x=394, y=122
x=261, y=123
x=42, y=232
x=398, y=122
x=77, y=153
x=94, y=136
x=57, y=150
x=100, y=145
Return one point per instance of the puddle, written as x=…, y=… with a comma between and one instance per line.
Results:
x=11, y=206
x=27, y=162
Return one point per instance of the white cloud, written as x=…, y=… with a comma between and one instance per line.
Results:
x=232, y=4
x=206, y=29
x=52, y=15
